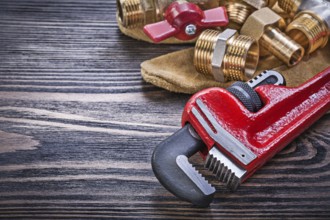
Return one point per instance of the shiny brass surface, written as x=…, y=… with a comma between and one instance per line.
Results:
x=258, y=4
x=241, y=59
x=226, y=56
x=311, y=28
x=289, y=6
x=281, y=46
x=240, y=10
x=292, y=7
x=309, y=31
x=263, y=25
x=137, y=13
x=133, y=13
x=129, y=12
x=204, y=50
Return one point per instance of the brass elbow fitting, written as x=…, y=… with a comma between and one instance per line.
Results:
x=226, y=56
x=311, y=28
x=240, y=10
x=137, y=13
x=263, y=25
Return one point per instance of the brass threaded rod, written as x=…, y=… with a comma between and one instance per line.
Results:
x=130, y=13
x=309, y=31
x=240, y=60
x=281, y=46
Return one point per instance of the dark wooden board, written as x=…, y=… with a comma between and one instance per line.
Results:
x=78, y=126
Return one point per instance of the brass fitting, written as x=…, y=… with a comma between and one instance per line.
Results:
x=263, y=25
x=311, y=28
x=137, y=13
x=240, y=10
x=293, y=6
x=226, y=56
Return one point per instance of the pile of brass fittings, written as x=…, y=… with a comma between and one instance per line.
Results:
x=286, y=29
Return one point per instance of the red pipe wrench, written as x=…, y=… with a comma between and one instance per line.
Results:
x=236, y=131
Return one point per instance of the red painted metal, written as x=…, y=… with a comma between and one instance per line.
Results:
x=178, y=15
x=287, y=112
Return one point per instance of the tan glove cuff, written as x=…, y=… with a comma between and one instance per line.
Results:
x=176, y=72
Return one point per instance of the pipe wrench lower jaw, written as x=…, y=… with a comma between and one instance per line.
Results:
x=171, y=167
x=173, y=170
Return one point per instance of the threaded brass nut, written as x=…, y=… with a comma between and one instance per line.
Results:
x=238, y=12
x=241, y=59
x=226, y=56
x=289, y=6
x=204, y=50
x=308, y=30
x=130, y=12
x=294, y=6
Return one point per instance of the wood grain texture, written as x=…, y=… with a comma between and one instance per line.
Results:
x=85, y=126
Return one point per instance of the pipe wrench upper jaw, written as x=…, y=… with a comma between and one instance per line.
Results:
x=221, y=136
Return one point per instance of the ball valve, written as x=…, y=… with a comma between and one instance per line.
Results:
x=137, y=13
x=185, y=21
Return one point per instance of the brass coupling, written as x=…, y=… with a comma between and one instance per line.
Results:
x=137, y=13
x=290, y=6
x=263, y=25
x=240, y=10
x=311, y=28
x=133, y=13
x=226, y=55
x=294, y=6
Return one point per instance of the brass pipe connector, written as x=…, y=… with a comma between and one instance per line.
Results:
x=240, y=10
x=137, y=13
x=311, y=28
x=293, y=6
x=263, y=25
x=226, y=55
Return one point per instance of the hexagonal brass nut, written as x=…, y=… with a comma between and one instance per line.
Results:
x=219, y=53
x=258, y=21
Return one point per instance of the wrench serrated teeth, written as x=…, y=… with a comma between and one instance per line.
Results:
x=194, y=175
x=224, y=169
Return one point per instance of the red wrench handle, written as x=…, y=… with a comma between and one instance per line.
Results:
x=287, y=113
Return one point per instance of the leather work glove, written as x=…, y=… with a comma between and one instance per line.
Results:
x=176, y=72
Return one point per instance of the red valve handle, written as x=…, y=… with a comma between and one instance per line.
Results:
x=185, y=21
